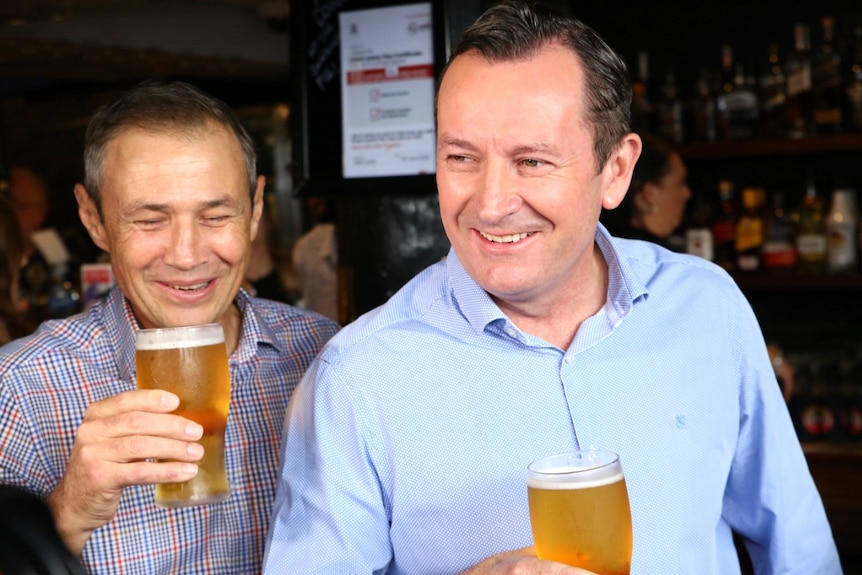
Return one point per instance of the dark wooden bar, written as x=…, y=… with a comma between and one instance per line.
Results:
x=837, y=470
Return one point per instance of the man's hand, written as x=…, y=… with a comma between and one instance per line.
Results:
x=115, y=447
x=522, y=562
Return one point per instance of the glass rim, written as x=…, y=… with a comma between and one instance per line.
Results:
x=179, y=336
x=563, y=464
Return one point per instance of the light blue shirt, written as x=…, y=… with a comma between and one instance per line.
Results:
x=408, y=439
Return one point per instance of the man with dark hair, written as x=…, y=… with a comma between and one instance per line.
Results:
x=172, y=194
x=408, y=440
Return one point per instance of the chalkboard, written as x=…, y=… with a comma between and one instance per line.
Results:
x=316, y=111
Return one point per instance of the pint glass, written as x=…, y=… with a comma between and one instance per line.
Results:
x=192, y=363
x=579, y=511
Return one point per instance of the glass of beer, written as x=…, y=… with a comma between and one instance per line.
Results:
x=192, y=363
x=579, y=511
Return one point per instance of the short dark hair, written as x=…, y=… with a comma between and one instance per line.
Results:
x=653, y=163
x=159, y=106
x=516, y=29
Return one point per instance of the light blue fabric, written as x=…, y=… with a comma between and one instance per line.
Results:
x=409, y=437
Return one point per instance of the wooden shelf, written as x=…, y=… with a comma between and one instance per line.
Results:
x=772, y=147
x=789, y=280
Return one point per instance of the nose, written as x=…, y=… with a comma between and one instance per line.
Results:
x=186, y=246
x=497, y=194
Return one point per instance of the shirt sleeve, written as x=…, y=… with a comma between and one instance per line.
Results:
x=771, y=499
x=329, y=515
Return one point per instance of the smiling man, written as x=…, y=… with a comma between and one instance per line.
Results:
x=171, y=193
x=408, y=440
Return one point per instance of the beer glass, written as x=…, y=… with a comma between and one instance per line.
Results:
x=192, y=363
x=579, y=511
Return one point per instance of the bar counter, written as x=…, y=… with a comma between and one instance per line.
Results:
x=837, y=471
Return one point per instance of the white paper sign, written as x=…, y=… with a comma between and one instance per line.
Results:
x=387, y=89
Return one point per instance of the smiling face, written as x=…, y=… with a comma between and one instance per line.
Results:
x=517, y=176
x=177, y=222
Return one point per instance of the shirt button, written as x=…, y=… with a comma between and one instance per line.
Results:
x=569, y=358
x=512, y=333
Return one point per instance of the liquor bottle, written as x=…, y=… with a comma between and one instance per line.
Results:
x=750, y=230
x=670, y=110
x=642, y=107
x=797, y=69
x=725, y=87
x=826, y=85
x=810, y=223
x=853, y=84
x=841, y=231
x=698, y=232
x=737, y=104
x=773, y=94
x=702, y=112
x=779, y=248
x=724, y=226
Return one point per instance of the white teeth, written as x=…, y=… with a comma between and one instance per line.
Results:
x=191, y=288
x=511, y=238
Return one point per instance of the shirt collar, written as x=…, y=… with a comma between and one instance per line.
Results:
x=477, y=307
x=122, y=325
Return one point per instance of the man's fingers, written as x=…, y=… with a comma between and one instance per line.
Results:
x=139, y=423
x=152, y=400
x=148, y=472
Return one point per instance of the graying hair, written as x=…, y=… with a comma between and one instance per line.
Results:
x=160, y=107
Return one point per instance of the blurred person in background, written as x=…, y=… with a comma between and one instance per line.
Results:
x=654, y=206
x=315, y=259
x=12, y=325
x=28, y=192
x=270, y=273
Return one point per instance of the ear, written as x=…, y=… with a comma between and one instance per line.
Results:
x=90, y=218
x=257, y=207
x=617, y=173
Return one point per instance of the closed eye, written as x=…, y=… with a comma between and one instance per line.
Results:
x=216, y=220
x=150, y=224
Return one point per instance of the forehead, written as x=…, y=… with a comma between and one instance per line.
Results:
x=143, y=164
x=538, y=87
x=173, y=149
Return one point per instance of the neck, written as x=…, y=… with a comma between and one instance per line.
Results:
x=231, y=322
x=558, y=319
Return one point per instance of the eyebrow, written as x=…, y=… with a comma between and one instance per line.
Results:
x=456, y=142
x=156, y=207
x=517, y=150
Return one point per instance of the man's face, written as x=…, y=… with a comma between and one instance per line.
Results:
x=516, y=173
x=178, y=223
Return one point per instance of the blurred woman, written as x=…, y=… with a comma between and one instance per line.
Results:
x=654, y=206
x=11, y=254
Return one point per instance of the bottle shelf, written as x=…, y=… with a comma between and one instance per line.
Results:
x=793, y=280
x=772, y=147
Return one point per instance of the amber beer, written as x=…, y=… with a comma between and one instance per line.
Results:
x=192, y=363
x=579, y=511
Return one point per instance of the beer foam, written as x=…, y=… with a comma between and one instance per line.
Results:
x=173, y=338
x=562, y=479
